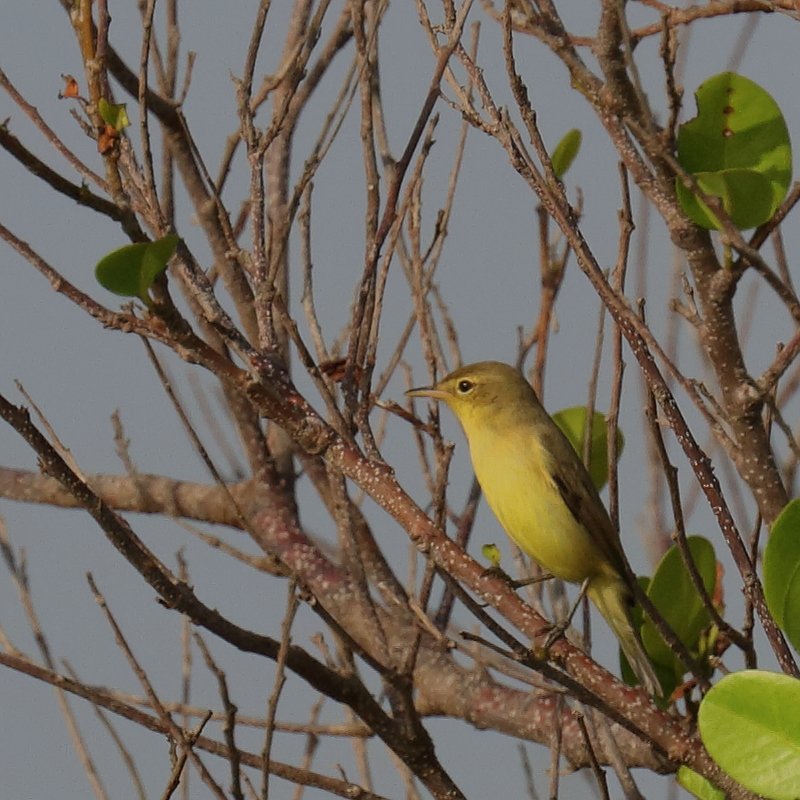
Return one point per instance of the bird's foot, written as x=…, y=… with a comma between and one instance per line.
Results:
x=559, y=629
x=556, y=632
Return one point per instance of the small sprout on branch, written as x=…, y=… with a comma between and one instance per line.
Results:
x=565, y=152
x=491, y=552
x=115, y=117
x=71, y=88
x=113, y=114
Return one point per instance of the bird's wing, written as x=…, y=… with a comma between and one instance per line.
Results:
x=581, y=497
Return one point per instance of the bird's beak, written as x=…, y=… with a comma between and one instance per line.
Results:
x=427, y=391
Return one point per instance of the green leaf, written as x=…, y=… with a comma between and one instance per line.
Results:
x=131, y=270
x=674, y=595
x=782, y=571
x=572, y=422
x=668, y=679
x=749, y=725
x=156, y=258
x=113, y=114
x=698, y=785
x=746, y=196
x=565, y=152
x=666, y=675
x=739, y=150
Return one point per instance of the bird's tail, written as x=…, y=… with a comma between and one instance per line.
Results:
x=610, y=595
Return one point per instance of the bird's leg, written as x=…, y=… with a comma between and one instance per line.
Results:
x=560, y=628
x=531, y=581
x=497, y=572
x=517, y=584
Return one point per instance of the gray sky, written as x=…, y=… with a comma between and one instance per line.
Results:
x=80, y=373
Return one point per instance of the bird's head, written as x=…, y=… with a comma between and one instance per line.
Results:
x=478, y=392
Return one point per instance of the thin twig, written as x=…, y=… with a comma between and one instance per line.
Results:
x=597, y=771
x=19, y=574
x=292, y=604
x=179, y=735
x=229, y=725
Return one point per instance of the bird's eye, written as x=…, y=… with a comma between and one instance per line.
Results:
x=465, y=386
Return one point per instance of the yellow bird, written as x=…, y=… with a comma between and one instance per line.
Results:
x=540, y=491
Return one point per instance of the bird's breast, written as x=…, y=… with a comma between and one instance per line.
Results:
x=516, y=476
